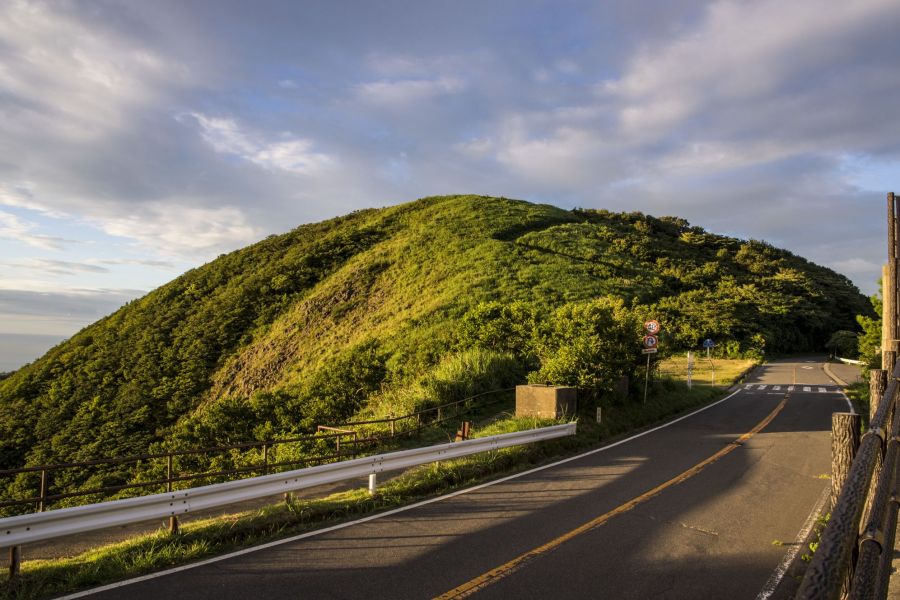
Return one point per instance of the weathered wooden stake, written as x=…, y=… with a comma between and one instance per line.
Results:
x=463, y=432
x=844, y=443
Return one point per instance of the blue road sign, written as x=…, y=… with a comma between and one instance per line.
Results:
x=708, y=343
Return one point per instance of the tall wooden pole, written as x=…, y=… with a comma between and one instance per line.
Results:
x=889, y=289
x=894, y=254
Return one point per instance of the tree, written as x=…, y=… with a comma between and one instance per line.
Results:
x=843, y=343
x=590, y=344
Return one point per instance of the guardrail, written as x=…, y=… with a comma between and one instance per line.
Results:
x=165, y=470
x=850, y=361
x=264, y=460
x=37, y=527
x=854, y=555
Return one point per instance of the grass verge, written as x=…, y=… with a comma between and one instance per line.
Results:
x=205, y=538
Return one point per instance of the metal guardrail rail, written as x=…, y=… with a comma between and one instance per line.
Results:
x=854, y=555
x=164, y=470
x=36, y=527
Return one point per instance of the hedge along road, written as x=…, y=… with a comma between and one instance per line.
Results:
x=687, y=510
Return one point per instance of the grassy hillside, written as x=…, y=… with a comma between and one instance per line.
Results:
x=387, y=309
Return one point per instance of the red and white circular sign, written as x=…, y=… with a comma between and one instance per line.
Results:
x=652, y=327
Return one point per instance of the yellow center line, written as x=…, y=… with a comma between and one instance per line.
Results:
x=498, y=573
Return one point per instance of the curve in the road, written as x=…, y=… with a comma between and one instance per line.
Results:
x=495, y=574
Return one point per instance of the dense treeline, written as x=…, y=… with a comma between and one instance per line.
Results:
x=388, y=309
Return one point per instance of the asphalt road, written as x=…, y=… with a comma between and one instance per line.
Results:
x=707, y=532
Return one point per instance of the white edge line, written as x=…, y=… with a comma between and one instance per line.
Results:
x=388, y=513
x=781, y=570
x=850, y=404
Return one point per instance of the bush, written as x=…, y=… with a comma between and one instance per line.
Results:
x=591, y=344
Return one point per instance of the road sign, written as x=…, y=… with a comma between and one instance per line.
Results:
x=650, y=341
x=652, y=327
x=708, y=343
x=649, y=351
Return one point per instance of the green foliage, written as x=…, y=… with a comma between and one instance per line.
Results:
x=591, y=344
x=365, y=311
x=869, y=341
x=844, y=343
x=510, y=328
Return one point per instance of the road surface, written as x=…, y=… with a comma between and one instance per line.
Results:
x=706, y=507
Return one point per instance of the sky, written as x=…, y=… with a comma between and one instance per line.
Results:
x=141, y=139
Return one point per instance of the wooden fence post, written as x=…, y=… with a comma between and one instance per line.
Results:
x=877, y=385
x=844, y=443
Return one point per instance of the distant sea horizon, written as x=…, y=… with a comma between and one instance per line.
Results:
x=19, y=349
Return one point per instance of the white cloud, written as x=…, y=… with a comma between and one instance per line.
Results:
x=292, y=154
x=742, y=52
x=70, y=79
x=161, y=264
x=14, y=228
x=404, y=92
x=175, y=228
x=57, y=267
x=855, y=266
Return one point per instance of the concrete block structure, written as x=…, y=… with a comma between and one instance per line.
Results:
x=545, y=401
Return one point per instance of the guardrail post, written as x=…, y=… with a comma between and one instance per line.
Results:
x=173, y=520
x=393, y=421
x=265, y=459
x=15, y=561
x=373, y=483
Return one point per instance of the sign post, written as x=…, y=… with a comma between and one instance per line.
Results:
x=708, y=344
x=651, y=341
x=690, y=369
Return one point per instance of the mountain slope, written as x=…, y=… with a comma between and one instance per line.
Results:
x=313, y=323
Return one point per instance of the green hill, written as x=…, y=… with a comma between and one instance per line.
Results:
x=387, y=309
